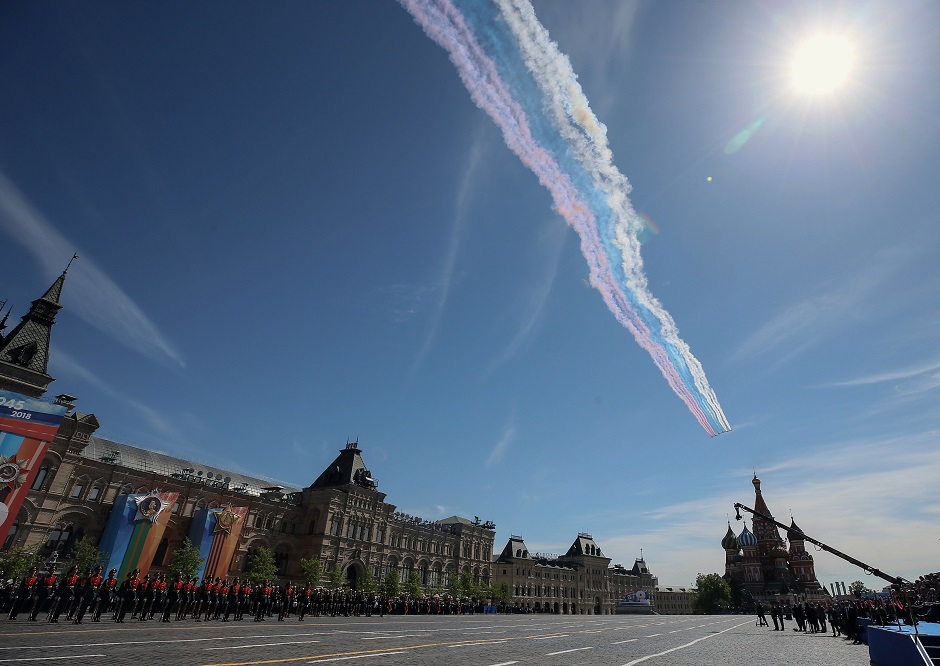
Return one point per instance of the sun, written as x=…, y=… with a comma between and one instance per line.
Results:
x=822, y=64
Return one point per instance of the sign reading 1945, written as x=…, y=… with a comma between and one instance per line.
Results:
x=23, y=408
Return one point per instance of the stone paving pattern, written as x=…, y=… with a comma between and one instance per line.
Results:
x=477, y=640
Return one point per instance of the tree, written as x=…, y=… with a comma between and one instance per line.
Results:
x=86, y=556
x=312, y=570
x=368, y=584
x=391, y=586
x=15, y=562
x=453, y=583
x=468, y=586
x=261, y=566
x=857, y=589
x=500, y=593
x=413, y=586
x=185, y=560
x=337, y=578
x=713, y=591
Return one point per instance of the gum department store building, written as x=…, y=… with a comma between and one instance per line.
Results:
x=342, y=516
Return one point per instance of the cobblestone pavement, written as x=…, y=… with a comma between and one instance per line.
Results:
x=476, y=640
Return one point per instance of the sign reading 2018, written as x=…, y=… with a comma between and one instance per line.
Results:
x=15, y=407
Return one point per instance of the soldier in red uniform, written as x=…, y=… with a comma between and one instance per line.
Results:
x=158, y=589
x=90, y=594
x=144, y=597
x=107, y=592
x=244, y=601
x=304, y=598
x=221, y=609
x=46, y=589
x=128, y=595
x=63, y=595
x=25, y=593
x=80, y=597
x=174, y=593
x=287, y=597
x=231, y=600
x=264, y=600
x=184, y=600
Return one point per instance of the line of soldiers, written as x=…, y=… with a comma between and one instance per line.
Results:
x=214, y=599
x=843, y=616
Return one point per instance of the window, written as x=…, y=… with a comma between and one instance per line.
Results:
x=95, y=492
x=160, y=555
x=59, y=536
x=175, y=510
x=40, y=478
x=77, y=490
x=11, y=535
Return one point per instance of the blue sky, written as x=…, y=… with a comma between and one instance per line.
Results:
x=296, y=228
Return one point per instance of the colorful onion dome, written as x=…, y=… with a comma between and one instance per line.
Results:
x=747, y=539
x=730, y=542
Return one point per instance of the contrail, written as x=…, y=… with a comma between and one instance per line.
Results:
x=515, y=73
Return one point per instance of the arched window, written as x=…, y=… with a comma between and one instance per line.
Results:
x=280, y=561
x=40, y=478
x=59, y=537
x=160, y=555
x=11, y=535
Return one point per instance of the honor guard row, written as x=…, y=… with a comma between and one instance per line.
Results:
x=212, y=599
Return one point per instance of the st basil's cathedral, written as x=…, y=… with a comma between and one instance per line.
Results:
x=764, y=567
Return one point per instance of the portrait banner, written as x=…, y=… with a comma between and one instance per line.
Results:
x=134, y=530
x=27, y=425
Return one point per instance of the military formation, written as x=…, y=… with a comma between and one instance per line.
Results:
x=92, y=595
x=846, y=618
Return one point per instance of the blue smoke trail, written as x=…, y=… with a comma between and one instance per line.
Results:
x=516, y=74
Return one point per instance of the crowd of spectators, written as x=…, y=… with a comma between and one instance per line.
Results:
x=922, y=595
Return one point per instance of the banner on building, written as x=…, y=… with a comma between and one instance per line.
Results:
x=27, y=425
x=215, y=533
x=134, y=531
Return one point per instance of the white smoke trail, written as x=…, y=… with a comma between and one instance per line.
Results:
x=586, y=137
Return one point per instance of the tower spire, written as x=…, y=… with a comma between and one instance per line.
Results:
x=24, y=353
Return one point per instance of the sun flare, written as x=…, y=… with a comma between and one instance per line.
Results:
x=822, y=64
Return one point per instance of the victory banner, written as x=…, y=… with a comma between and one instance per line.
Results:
x=215, y=533
x=27, y=425
x=135, y=529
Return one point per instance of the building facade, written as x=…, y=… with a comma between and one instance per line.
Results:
x=341, y=517
x=580, y=582
x=760, y=562
x=674, y=600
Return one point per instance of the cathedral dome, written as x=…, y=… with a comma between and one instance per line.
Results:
x=794, y=532
x=730, y=542
x=747, y=539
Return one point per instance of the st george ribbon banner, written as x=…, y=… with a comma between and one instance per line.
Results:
x=27, y=426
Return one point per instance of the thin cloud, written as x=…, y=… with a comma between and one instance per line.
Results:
x=897, y=375
x=65, y=363
x=461, y=210
x=97, y=299
x=499, y=450
x=532, y=312
x=832, y=491
x=801, y=325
